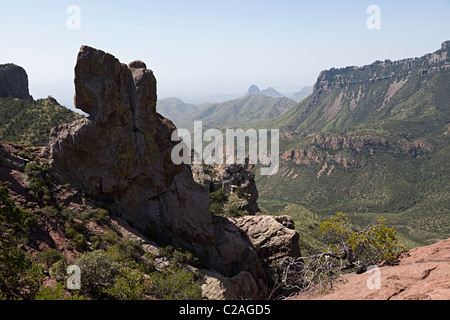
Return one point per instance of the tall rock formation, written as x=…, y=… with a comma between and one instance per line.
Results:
x=121, y=153
x=13, y=82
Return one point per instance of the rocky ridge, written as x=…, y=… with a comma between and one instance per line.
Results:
x=338, y=78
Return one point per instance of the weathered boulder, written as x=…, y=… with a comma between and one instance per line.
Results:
x=217, y=287
x=273, y=237
x=235, y=249
x=121, y=153
x=13, y=82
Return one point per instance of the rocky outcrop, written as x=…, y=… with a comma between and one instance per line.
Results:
x=253, y=89
x=315, y=156
x=326, y=150
x=355, y=143
x=240, y=287
x=121, y=153
x=238, y=254
x=252, y=249
x=13, y=82
x=229, y=177
x=274, y=237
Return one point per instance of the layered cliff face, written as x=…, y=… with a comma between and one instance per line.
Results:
x=121, y=152
x=13, y=82
x=383, y=70
x=351, y=96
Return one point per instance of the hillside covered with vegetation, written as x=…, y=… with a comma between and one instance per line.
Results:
x=29, y=122
x=372, y=140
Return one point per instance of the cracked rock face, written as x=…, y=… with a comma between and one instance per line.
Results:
x=121, y=152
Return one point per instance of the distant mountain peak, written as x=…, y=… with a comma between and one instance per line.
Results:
x=253, y=90
x=270, y=92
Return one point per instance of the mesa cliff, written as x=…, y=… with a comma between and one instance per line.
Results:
x=13, y=82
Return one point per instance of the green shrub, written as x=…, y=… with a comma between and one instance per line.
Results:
x=27, y=153
x=110, y=237
x=218, y=196
x=240, y=192
x=98, y=215
x=38, y=180
x=364, y=247
x=127, y=253
x=233, y=211
x=49, y=211
x=49, y=257
x=20, y=277
x=176, y=284
x=98, y=271
x=71, y=233
x=129, y=284
x=56, y=293
x=96, y=241
x=58, y=270
x=348, y=249
x=216, y=208
x=80, y=243
x=14, y=220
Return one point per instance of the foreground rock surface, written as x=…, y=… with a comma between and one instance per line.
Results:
x=422, y=274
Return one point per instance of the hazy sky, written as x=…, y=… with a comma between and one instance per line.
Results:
x=198, y=48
